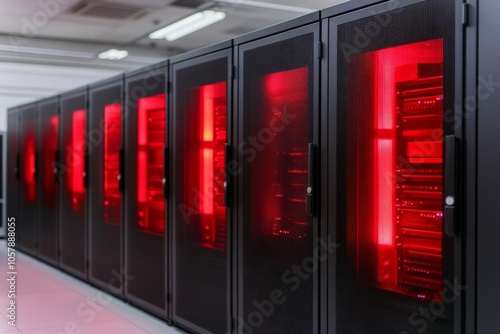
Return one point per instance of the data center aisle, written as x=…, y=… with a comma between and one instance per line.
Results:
x=50, y=302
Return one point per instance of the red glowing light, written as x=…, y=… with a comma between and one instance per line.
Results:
x=29, y=167
x=75, y=158
x=151, y=141
x=283, y=204
x=49, y=148
x=212, y=110
x=399, y=201
x=112, y=144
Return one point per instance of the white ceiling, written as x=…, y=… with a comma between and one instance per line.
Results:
x=50, y=34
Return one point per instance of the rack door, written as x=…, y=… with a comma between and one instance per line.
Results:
x=13, y=176
x=395, y=91
x=47, y=148
x=27, y=198
x=72, y=189
x=277, y=94
x=145, y=140
x=199, y=264
x=105, y=198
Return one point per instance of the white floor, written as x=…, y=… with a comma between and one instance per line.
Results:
x=50, y=302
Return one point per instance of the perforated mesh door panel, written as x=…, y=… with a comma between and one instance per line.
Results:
x=277, y=111
x=395, y=84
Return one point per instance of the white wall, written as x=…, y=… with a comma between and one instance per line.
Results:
x=21, y=83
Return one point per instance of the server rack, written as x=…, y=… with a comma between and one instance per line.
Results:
x=277, y=121
x=201, y=137
x=146, y=141
x=71, y=174
x=28, y=179
x=13, y=173
x=105, y=154
x=393, y=202
x=47, y=149
x=482, y=160
x=3, y=187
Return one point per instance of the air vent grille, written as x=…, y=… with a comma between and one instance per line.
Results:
x=107, y=10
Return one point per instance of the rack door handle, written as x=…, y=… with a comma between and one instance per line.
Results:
x=35, y=167
x=227, y=178
x=56, y=168
x=17, y=170
x=451, y=227
x=86, y=169
x=312, y=182
x=166, y=170
x=121, y=172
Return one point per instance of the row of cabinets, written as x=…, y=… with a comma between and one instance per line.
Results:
x=313, y=177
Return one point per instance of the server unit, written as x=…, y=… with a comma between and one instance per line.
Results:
x=201, y=136
x=392, y=199
x=71, y=173
x=277, y=102
x=13, y=172
x=145, y=180
x=105, y=154
x=26, y=227
x=47, y=150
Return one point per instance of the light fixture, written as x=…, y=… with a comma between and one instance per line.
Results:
x=46, y=52
x=188, y=25
x=113, y=54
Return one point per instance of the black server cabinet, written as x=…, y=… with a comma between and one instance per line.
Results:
x=104, y=147
x=27, y=187
x=47, y=149
x=145, y=206
x=392, y=200
x=201, y=133
x=482, y=19
x=71, y=172
x=13, y=174
x=278, y=101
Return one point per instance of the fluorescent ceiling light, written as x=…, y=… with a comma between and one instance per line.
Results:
x=188, y=25
x=113, y=54
x=46, y=52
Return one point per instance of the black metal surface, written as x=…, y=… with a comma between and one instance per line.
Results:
x=384, y=312
x=488, y=163
x=278, y=28
x=27, y=193
x=450, y=196
x=12, y=166
x=72, y=219
x=147, y=289
x=199, y=272
x=201, y=51
x=264, y=259
x=47, y=144
x=105, y=214
x=352, y=5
